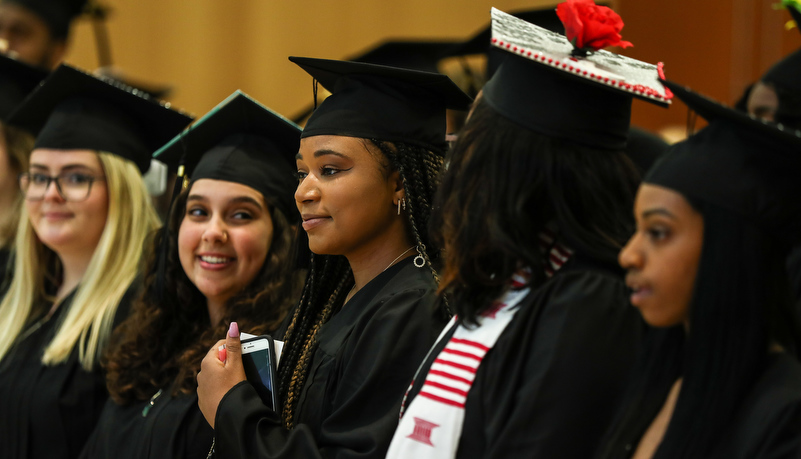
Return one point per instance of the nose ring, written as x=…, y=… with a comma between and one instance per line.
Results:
x=224, y=236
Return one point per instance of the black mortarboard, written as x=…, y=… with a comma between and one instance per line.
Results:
x=17, y=79
x=644, y=148
x=586, y=100
x=57, y=14
x=380, y=102
x=795, y=11
x=786, y=74
x=407, y=54
x=75, y=110
x=244, y=142
x=746, y=165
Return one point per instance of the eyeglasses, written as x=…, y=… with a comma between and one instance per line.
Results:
x=72, y=187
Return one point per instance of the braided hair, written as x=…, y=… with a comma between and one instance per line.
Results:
x=330, y=278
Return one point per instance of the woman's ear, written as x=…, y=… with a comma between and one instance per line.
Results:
x=396, y=180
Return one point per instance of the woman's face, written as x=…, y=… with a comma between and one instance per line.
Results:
x=763, y=101
x=224, y=237
x=662, y=257
x=346, y=199
x=68, y=226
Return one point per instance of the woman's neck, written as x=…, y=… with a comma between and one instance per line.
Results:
x=216, y=309
x=74, y=267
x=370, y=261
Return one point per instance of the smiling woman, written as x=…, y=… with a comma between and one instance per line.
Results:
x=77, y=254
x=367, y=169
x=227, y=256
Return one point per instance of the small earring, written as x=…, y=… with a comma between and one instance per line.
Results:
x=401, y=200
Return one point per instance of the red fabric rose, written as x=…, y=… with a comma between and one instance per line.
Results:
x=589, y=26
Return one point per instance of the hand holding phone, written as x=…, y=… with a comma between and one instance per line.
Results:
x=259, y=360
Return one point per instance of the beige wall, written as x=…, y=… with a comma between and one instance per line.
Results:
x=209, y=48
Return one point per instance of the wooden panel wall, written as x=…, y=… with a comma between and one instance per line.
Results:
x=209, y=48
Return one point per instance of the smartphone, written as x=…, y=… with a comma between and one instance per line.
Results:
x=258, y=356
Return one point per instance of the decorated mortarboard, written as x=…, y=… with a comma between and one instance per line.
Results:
x=75, y=110
x=241, y=141
x=794, y=7
x=380, y=102
x=741, y=163
x=565, y=87
x=479, y=43
x=17, y=80
x=57, y=14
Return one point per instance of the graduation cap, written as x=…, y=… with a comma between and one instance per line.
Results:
x=786, y=74
x=407, y=54
x=17, y=79
x=479, y=43
x=794, y=7
x=57, y=14
x=644, y=148
x=381, y=102
x=241, y=141
x=740, y=163
x=75, y=110
x=420, y=55
x=547, y=89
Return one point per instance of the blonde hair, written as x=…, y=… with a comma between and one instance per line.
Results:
x=113, y=267
x=18, y=147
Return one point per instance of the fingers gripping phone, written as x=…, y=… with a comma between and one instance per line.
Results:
x=258, y=357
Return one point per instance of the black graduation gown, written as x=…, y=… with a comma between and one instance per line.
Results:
x=550, y=385
x=767, y=424
x=173, y=427
x=348, y=408
x=48, y=412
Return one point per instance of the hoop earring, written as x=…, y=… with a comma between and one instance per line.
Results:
x=420, y=260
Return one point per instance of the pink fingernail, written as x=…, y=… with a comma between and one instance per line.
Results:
x=233, y=330
x=222, y=353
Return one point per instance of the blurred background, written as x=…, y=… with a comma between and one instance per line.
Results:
x=205, y=49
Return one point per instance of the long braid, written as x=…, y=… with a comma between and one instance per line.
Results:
x=420, y=171
x=330, y=277
x=316, y=308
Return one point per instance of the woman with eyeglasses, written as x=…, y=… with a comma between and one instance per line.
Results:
x=77, y=250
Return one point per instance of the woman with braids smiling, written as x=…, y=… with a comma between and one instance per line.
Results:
x=367, y=168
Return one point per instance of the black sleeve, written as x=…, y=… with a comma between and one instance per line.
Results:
x=784, y=437
x=560, y=389
x=372, y=372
